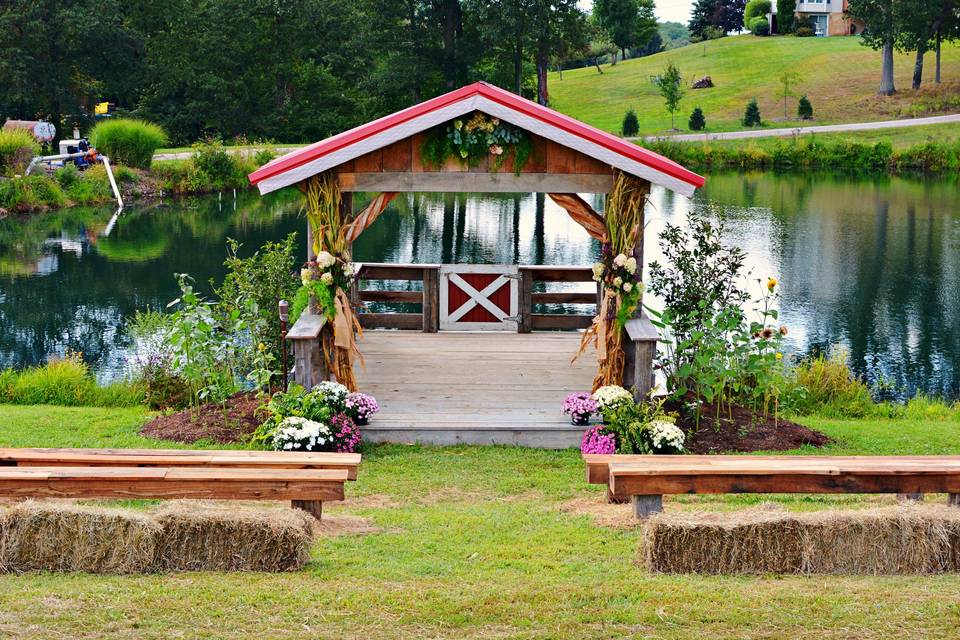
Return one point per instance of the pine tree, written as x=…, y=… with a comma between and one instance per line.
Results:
x=786, y=9
x=701, y=17
x=804, y=109
x=751, y=117
x=697, y=121
x=630, y=126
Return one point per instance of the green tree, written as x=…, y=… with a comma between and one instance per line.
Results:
x=751, y=116
x=883, y=27
x=671, y=88
x=629, y=23
x=630, y=126
x=701, y=18
x=674, y=34
x=787, y=81
x=697, y=120
x=786, y=10
x=559, y=28
x=804, y=108
x=922, y=21
x=755, y=9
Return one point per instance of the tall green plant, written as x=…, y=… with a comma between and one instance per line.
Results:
x=671, y=88
x=129, y=142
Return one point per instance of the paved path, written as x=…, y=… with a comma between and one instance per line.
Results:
x=828, y=128
x=183, y=155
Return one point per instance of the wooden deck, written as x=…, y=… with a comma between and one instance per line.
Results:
x=473, y=388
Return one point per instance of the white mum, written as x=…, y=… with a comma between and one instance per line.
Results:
x=299, y=434
x=327, y=278
x=666, y=434
x=325, y=259
x=333, y=391
x=611, y=395
x=631, y=265
x=620, y=260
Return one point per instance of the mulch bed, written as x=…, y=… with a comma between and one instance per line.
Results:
x=743, y=430
x=183, y=426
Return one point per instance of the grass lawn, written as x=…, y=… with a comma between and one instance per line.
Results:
x=839, y=75
x=238, y=147
x=899, y=138
x=477, y=542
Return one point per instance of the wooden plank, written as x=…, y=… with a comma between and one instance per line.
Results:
x=525, y=299
x=85, y=488
x=383, y=295
x=565, y=297
x=561, y=159
x=397, y=156
x=544, y=273
x=431, y=300
x=307, y=327
x=481, y=182
x=586, y=164
x=412, y=321
x=391, y=272
x=557, y=321
x=369, y=162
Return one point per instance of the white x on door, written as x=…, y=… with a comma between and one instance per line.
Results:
x=478, y=297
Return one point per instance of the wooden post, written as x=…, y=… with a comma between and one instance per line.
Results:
x=645, y=506
x=308, y=362
x=525, y=324
x=910, y=497
x=431, y=299
x=953, y=499
x=640, y=351
x=313, y=507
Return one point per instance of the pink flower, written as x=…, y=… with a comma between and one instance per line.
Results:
x=595, y=440
x=579, y=404
x=496, y=149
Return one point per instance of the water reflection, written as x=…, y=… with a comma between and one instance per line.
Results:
x=869, y=264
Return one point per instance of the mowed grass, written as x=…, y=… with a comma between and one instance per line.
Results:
x=898, y=137
x=839, y=75
x=477, y=542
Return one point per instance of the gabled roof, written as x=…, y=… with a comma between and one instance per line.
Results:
x=494, y=101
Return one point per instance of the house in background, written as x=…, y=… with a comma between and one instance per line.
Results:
x=828, y=17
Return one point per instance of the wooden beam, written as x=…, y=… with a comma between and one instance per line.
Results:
x=391, y=321
x=558, y=321
x=486, y=182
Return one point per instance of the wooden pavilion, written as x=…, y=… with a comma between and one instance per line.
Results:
x=480, y=362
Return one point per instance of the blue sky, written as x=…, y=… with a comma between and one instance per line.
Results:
x=667, y=10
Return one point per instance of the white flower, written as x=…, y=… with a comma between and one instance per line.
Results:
x=666, y=434
x=611, y=395
x=296, y=433
x=333, y=392
x=327, y=278
x=325, y=259
x=617, y=281
x=306, y=276
x=496, y=149
x=347, y=269
x=620, y=260
x=631, y=265
x=597, y=269
x=627, y=287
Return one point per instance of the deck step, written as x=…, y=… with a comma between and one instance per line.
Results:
x=545, y=437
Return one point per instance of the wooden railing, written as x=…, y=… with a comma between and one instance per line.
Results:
x=428, y=297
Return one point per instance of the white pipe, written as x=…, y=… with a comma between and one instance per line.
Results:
x=113, y=183
x=68, y=156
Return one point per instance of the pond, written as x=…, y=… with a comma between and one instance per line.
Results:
x=868, y=265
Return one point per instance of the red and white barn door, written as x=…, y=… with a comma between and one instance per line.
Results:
x=478, y=297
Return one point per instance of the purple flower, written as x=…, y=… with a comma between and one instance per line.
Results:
x=360, y=406
x=579, y=404
x=595, y=440
x=346, y=434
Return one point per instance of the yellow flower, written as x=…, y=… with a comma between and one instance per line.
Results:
x=771, y=283
x=779, y=356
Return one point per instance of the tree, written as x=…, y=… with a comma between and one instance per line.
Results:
x=559, y=27
x=629, y=23
x=729, y=15
x=599, y=48
x=922, y=21
x=883, y=26
x=787, y=80
x=701, y=17
x=786, y=10
x=674, y=34
x=755, y=9
x=697, y=121
x=671, y=88
x=949, y=30
x=804, y=109
x=751, y=116
x=630, y=126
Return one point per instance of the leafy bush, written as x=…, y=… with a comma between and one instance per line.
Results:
x=186, y=176
x=31, y=192
x=153, y=361
x=760, y=27
x=309, y=421
x=804, y=32
x=263, y=156
x=751, y=116
x=825, y=385
x=65, y=382
x=785, y=12
x=630, y=126
x=755, y=9
x=212, y=159
x=129, y=142
x=17, y=148
x=697, y=121
x=636, y=427
x=804, y=108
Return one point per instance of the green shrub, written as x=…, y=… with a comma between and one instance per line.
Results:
x=17, y=148
x=827, y=386
x=804, y=32
x=755, y=9
x=760, y=27
x=785, y=12
x=129, y=142
x=804, y=108
x=751, y=116
x=263, y=156
x=213, y=160
x=31, y=192
x=630, y=126
x=697, y=121
x=65, y=382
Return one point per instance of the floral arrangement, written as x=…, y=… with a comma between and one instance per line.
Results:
x=579, y=406
x=471, y=141
x=618, y=273
x=361, y=406
x=321, y=278
x=597, y=440
x=666, y=436
x=611, y=396
x=318, y=420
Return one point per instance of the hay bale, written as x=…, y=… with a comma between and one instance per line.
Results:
x=202, y=536
x=914, y=539
x=763, y=539
x=54, y=536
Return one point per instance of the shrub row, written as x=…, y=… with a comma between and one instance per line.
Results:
x=66, y=382
x=211, y=168
x=17, y=148
x=66, y=186
x=811, y=154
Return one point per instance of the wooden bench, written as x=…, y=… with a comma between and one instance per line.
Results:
x=645, y=479
x=305, y=479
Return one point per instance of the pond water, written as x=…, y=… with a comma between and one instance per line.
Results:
x=870, y=265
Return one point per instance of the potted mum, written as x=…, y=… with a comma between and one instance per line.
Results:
x=579, y=406
x=360, y=407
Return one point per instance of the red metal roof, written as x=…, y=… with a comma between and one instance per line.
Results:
x=510, y=100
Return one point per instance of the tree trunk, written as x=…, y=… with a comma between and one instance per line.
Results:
x=887, y=87
x=518, y=67
x=542, y=68
x=623, y=53
x=596, y=63
x=937, y=75
x=918, y=68
x=451, y=19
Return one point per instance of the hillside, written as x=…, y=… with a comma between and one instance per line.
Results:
x=839, y=75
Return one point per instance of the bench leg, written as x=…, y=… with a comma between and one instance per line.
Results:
x=644, y=506
x=954, y=500
x=910, y=497
x=313, y=507
x=613, y=498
